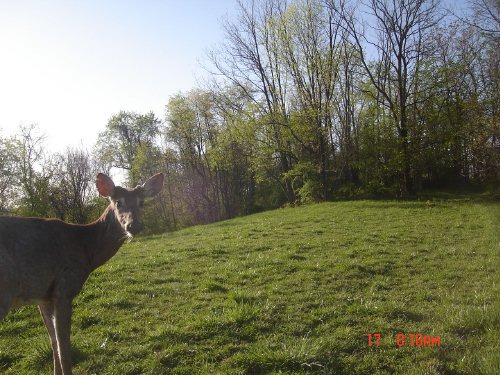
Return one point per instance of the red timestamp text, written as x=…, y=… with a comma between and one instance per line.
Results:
x=401, y=339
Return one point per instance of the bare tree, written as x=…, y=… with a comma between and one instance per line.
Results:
x=399, y=37
x=71, y=189
x=250, y=60
x=485, y=16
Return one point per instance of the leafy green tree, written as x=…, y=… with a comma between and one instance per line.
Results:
x=9, y=178
x=193, y=130
x=34, y=170
x=125, y=133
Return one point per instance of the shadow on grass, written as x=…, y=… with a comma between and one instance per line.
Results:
x=405, y=315
x=40, y=357
x=7, y=361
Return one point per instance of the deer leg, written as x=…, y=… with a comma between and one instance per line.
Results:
x=7, y=293
x=47, y=311
x=3, y=310
x=62, y=314
x=5, y=304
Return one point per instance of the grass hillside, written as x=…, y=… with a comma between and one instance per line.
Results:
x=292, y=291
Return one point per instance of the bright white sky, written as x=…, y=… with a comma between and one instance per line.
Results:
x=70, y=65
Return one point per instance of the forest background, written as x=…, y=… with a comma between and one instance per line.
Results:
x=306, y=101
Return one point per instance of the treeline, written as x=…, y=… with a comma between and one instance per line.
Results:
x=34, y=182
x=307, y=100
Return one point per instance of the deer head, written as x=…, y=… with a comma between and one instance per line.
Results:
x=127, y=203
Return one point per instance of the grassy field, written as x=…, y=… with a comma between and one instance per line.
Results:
x=292, y=291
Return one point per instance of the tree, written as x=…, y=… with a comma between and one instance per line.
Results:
x=72, y=186
x=8, y=176
x=485, y=17
x=193, y=130
x=125, y=133
x=250, y=60
x=34, y=172
x=397, y=35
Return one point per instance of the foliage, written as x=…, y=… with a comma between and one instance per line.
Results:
x=8, y=177
x=124, y=134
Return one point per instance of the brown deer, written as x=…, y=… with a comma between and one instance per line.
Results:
x=47, y=261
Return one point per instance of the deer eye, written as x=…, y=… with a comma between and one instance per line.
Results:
x=119, y=203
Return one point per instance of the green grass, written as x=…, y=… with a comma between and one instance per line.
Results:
x=292, y=291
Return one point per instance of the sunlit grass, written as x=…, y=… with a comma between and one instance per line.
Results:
x=292, y=291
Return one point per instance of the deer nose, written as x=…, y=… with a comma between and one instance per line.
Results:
x=134, y=227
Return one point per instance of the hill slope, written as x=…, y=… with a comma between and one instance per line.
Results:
x=292, y=291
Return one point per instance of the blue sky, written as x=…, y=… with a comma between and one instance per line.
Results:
x=69, y=65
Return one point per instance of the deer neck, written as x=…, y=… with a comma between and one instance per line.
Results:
x=109, y=236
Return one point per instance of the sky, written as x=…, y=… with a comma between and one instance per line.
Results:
x=69, y=65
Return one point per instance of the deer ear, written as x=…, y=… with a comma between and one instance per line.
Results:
x=153, y=185
x=105, y=185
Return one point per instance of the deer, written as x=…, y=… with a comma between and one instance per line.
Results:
x=47, y=261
